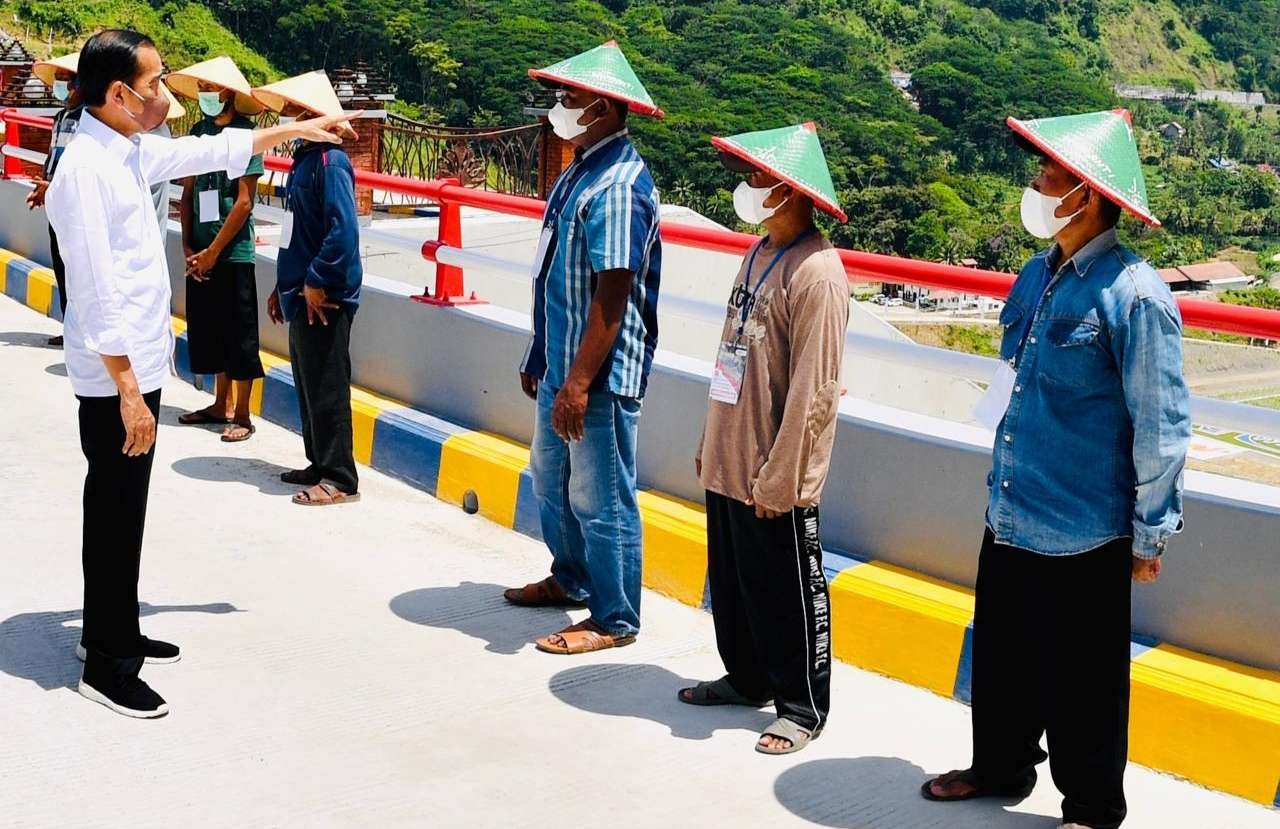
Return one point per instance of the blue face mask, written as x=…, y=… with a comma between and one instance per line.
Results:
x=61, y=90
x=211, y=103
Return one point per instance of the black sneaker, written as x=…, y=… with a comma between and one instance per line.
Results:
x=155, y=652
x=115, y=684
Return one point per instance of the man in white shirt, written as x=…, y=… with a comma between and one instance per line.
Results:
x=119, y=339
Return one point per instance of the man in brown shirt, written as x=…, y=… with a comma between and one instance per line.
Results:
x=766, y=447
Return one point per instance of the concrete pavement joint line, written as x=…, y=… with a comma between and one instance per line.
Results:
x=1211, y=721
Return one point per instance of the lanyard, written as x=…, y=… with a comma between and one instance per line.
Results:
x=749, y=301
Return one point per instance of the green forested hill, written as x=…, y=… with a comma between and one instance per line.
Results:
x=936, y=177
x=185, y=32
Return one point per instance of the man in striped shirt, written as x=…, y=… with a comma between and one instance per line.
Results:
x=595, y=328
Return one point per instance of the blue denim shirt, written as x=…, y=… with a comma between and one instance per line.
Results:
x=1095, y=438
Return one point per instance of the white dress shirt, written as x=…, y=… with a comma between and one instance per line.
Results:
x=100, y=206
x=160, y=192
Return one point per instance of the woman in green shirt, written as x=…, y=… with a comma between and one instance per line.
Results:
x=218, y=243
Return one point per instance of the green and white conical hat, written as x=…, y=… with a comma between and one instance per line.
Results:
x=604, y=70
x=792, y=154
x=1098, y=147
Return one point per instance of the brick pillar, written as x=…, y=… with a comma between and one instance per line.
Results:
x=35, y=139
x=365, y=153
x=555, y=155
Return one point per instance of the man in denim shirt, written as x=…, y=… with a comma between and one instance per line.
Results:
x=1091, y=431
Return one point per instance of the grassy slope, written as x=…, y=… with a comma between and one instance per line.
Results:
x=1136, y=44
x=195, y=34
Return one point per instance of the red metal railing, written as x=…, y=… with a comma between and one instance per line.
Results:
x=12, y=117
x=1214, y=316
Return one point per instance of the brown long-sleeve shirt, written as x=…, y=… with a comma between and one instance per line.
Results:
x=773, y=447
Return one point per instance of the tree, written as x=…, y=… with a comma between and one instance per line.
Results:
x=437, y=69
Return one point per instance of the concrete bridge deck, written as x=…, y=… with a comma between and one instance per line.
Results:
x=357, y=667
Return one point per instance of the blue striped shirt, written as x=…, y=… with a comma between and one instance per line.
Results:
x=602, y=215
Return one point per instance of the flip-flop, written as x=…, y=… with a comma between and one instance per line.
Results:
x=967, y=777
x=201, y=418
x=249, y=430
x=718, y=692
x=333, y=497
x=790, y=730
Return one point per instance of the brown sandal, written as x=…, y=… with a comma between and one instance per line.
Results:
x=584, y=637
x=327, y=496
x=545, y=593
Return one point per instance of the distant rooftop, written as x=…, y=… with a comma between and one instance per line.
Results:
x=12, y=52
x=1213, y=273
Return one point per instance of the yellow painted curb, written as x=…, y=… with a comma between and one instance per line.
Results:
x=40, y=284
x=903, y=624
x=365, y=408
x=489, y=465
x=675, y=546
x=269, y=361
x=6, y=256
x=1206, y=719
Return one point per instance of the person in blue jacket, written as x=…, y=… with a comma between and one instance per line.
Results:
x=318, y=277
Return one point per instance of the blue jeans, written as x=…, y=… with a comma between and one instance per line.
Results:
x=586, y=493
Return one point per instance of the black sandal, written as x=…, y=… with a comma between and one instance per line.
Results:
x=967, y=777
x=718, y=692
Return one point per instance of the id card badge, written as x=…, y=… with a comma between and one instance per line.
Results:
x=726, y=381
x=209, y=209
x=990, y=410
x=544, y=242
x=286, y=231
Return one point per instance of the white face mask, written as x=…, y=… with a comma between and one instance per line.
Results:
x=1038, y=213
x=61, y=90
x=211, y=103
x=749, y=201
x=564, y=121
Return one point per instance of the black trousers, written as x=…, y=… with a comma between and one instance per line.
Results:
x=115, y=512
x=321, y=357
x=770, y=605
x=222, y=322
x=1051, y=656
x=59, y=271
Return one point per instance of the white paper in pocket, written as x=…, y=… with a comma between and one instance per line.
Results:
x=286, y=231
x=544, y=242
x=209, y=211
x=991, y=408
